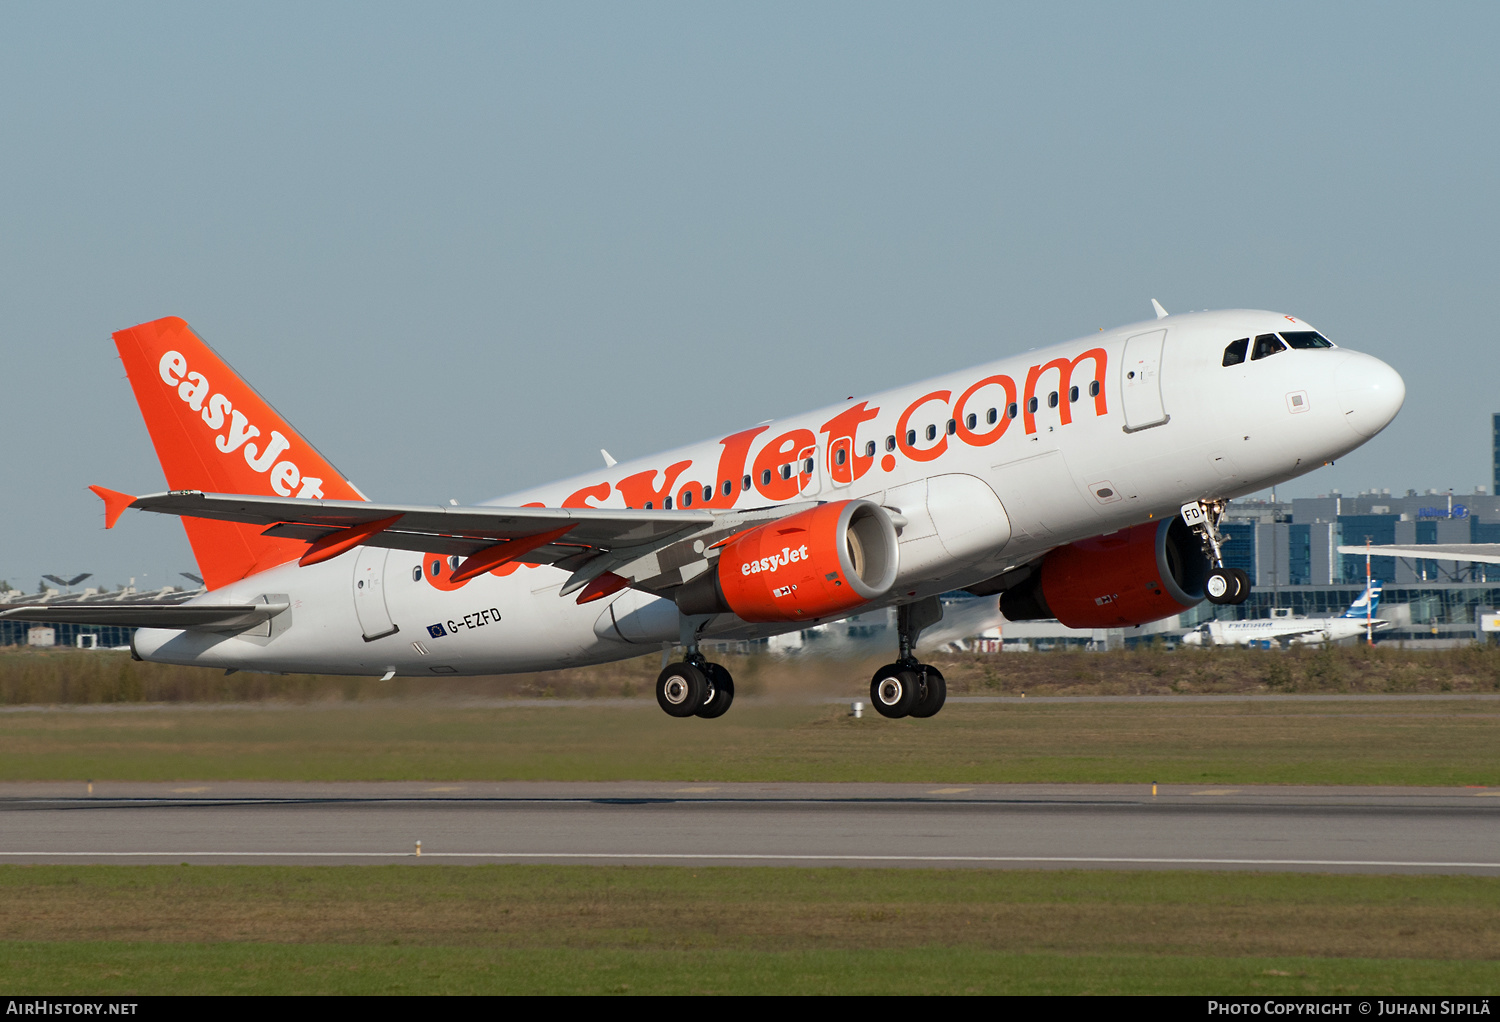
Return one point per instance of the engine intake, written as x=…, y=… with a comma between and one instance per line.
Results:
x=1140, y=574
x=817, y=563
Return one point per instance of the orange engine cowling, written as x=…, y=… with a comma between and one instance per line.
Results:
x=821, y=562
x=1140, y=574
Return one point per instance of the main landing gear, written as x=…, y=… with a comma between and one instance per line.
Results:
x=908, y=688
x=695, y=688
x=1223, y=585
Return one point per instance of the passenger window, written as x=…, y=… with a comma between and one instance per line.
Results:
x=952, y=427
x=1304, y=339
x=1073, y=395
x=931, y=431
x=648, y=505
x=666, y=503
x=416, y=573
x=708, y=493
x=745, y=485
x=765, y=478
x=1267, y=345
x=1052, y=400
x=840, y=456
x=1094, y=389
x=911, y=438
x=870, y=449
x=992, y=416
x=1235, y=353
x=1031, y=406
x=807, y=467
x=786, y=471
x=890, y=443
x=1010, y=410
x=687, y=498
x=971, y=420
x=728, y=487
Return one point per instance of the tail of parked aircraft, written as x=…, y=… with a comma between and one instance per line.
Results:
x=214, y=433
x=1368, y=603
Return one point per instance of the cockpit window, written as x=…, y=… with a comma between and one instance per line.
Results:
x=1267, y=345
x=1235, y=353
x=1303, y=339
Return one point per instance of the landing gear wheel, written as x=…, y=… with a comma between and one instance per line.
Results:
x=680, y=689
x=720, y=694
x=1221, y=587
x=894, y=690
x=934, y=692
x=1243, y=586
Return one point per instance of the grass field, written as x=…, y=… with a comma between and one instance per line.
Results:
x=600, y=929
x=519, y=928
x=1303, y=742
x=33, y=676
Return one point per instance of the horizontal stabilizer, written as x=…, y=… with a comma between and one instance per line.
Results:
x=207, y=617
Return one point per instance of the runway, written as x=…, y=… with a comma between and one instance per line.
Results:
x=1387, y=830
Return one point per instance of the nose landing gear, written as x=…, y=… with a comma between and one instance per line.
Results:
x=1224, y=585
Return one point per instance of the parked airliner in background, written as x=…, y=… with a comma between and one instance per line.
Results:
x=1285, y=630
x=1083, y=481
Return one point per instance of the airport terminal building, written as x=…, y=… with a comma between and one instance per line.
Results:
x=1290, y=550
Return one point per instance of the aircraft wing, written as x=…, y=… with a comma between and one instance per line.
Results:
x=1484, y=553
x=642, y=546
x=209, y=617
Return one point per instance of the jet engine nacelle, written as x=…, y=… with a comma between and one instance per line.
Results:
x=1140, y=574
x=821, y=562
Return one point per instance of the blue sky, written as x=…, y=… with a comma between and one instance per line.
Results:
x=464, y=246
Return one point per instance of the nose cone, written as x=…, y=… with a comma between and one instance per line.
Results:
x=1370, y=393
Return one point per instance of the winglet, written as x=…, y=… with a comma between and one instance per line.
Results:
x=115, y=504
x=1160, y=312
x=609, y=462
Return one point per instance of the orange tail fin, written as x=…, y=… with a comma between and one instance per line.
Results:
x=214, y=433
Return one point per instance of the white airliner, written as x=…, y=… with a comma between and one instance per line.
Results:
x=1054, y=479
x=1353, y=621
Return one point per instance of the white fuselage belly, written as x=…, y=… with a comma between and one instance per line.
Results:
x=974, y=504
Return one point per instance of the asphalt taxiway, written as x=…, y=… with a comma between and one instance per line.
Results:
x=1335, y=829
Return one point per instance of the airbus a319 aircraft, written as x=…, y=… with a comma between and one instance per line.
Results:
x=1083, y=482
x=1356, y=619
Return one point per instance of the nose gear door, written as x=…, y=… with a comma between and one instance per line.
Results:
x=369, y=593
x=1140, y=381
